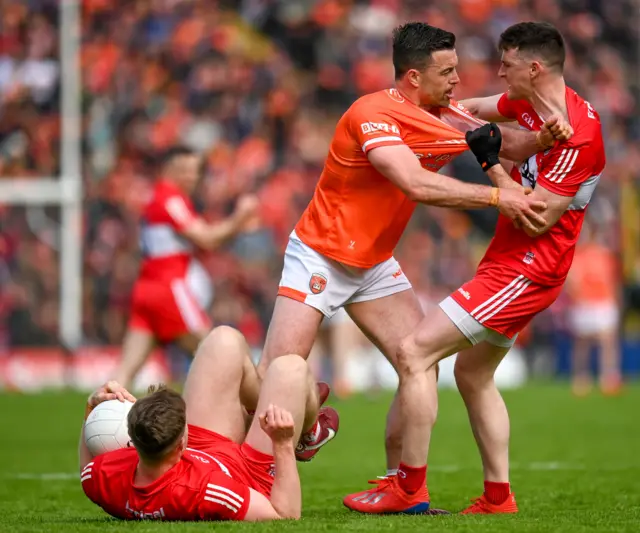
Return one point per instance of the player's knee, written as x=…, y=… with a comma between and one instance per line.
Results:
x=222, y=340
x=409, y=359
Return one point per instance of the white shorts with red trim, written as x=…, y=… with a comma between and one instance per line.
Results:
x=500, y=301
x=327, y=285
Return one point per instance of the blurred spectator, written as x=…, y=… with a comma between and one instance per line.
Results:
x=593, y=286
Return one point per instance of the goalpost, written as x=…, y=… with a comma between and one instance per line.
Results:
x=64, y=191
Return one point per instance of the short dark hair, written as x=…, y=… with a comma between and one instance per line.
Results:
x=413, y=44
x=156, y=422
x=538, y=38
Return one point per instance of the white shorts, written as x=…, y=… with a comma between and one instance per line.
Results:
x=340, y=317
x=471, y=328
x=591, y=319
x=327, y=285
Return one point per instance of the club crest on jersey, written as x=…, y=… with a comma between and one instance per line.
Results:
x=528, y=258
x=317, y=283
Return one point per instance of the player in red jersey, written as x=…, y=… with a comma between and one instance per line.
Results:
x=191, y=459
x=173, y=289
x=520, y=275
x=382, y=161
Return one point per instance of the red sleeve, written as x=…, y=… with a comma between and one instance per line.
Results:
x=181, y=214
x=89, y=477
x=566, y=169
x=373, y=127
x=507, y=108
x=223, y=498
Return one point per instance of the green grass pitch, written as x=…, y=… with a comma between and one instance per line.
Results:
x=575, y=468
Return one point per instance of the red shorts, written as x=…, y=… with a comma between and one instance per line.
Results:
x=168, y=310
x=504, y=301
x=245, y=464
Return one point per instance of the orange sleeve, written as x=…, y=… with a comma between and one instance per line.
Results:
x=373, y=126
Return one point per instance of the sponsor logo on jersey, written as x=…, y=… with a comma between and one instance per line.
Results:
x=464, y=293
x=317, y=283
x=141, y=515
x=375, y=127
x=527, y=118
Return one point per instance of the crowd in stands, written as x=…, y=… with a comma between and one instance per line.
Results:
x=257, y=87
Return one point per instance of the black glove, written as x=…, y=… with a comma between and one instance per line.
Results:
x=485, y=144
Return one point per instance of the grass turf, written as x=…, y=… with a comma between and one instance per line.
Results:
x=576, y=468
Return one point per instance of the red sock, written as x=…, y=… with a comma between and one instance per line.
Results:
x=313, y=432
x=412, y=478
x=496, y=493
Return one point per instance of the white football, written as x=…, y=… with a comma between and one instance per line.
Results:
x=105, y=429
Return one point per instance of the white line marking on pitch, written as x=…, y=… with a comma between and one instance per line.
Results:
x=51, y=476
x=534, y=467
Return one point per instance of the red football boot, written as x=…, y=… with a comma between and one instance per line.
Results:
x=387, y=497
x=482, y=506
x=325, y=429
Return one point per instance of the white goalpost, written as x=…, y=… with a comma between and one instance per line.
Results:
x=64, y=191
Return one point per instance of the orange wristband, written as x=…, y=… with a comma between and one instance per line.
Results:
x=495, y=197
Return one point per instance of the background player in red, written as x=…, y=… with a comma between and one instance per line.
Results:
x=191, y=459
x=173, y=290
x=383, y=160
x=520, y=275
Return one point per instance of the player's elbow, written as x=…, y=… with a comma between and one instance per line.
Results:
x=201, y=240
x=415, y=189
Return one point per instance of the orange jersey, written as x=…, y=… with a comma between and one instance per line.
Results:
x=593, y=278
x=356, y=215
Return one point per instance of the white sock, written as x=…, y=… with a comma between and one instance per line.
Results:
x=392, y=472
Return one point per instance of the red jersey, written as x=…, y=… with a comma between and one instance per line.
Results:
x=573, y=169
x=356, y=215
x=166, y=254
x=199, y=487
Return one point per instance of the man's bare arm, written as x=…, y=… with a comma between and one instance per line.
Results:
x=519, y=145
x=500, y=178
x=485, y=108
x=210, y=236
x=286, y=493
x=400, y=166
x=556, y=207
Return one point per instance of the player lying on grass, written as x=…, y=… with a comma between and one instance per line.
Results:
x=192, y=457
x=521, y=274
x=384, y=159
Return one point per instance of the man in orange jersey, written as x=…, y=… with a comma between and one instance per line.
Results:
x=382, y=161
